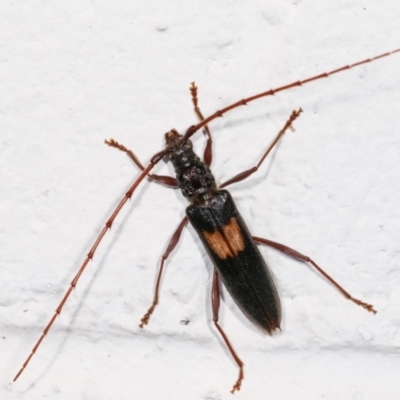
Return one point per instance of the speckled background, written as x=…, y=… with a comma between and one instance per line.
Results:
x=75, y=73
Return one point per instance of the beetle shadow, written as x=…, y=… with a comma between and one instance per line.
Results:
x=100, y=264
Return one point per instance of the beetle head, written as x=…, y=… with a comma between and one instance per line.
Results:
x=180, y=152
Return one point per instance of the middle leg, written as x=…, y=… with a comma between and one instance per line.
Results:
x=295, y=254
x=171, y=246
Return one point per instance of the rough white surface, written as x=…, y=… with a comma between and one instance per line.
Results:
x=75, y=73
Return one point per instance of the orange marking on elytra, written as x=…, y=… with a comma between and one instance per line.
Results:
x=234, y=235
x=227, y=243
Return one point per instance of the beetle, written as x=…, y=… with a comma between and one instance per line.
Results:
x=213, y=214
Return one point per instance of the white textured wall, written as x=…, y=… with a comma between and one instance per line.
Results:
x=75, y=73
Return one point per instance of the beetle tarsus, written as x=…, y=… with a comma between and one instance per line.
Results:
x=368, y=307
x=145, y=320
x=238, y=383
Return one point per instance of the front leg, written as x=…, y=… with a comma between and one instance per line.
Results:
x=207, y=157
x=245, y=174
x=164, y=179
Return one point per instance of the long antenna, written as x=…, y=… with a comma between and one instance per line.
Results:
x=271, y=92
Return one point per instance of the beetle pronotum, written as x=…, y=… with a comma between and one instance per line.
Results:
x=214, y=216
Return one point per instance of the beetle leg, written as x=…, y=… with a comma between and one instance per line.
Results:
x=164, y=179
x=215, y=301
x=207, y=158
x=171, y=246
x=245, y=174
x=295, y=254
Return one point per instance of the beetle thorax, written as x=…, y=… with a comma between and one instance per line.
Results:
x=194, y=177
